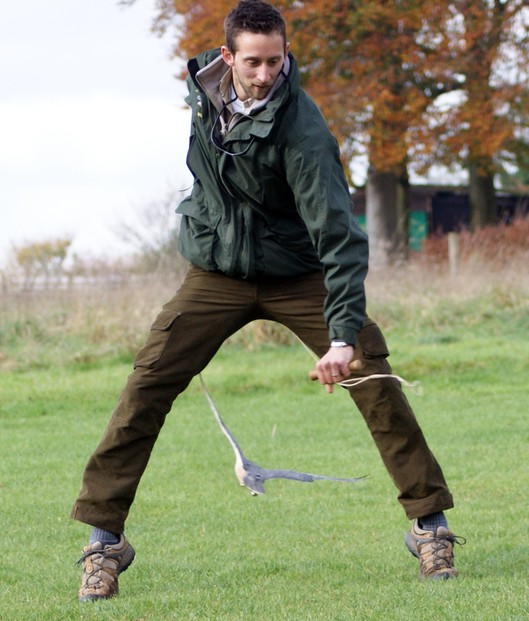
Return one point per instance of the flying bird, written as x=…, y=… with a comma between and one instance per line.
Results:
x=253, y=476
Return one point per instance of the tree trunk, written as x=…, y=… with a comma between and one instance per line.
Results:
x=482, y=197
x=387, y=214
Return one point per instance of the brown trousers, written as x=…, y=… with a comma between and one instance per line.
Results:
x=187, y=333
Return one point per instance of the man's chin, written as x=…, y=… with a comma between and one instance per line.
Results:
x=261, y=93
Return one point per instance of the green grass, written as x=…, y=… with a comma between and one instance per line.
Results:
x=207, y=550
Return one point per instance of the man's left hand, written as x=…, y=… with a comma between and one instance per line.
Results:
x=333, y=367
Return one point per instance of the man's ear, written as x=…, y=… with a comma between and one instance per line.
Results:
x=227, y=56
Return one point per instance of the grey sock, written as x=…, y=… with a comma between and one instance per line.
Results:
x=433, y=521
x=104, y=536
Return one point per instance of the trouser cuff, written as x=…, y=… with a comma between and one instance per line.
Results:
x=97, y=519
x=425, y=506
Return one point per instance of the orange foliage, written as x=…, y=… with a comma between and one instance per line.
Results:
x=375, y=67
x=493, y=56
x=360, y=62
x=495, y=245
x=369, y=74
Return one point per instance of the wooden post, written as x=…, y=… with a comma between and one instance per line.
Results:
x=453, y=253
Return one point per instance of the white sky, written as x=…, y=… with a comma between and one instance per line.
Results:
x=93, y=124
x=92, y=121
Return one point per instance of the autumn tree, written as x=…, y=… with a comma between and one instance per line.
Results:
x=40, y=262
x=390, y=61
x=373, y=68
x=487, y=126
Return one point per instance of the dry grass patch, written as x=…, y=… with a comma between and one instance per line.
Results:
x=110, y=318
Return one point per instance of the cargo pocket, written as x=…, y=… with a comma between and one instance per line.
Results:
x=372, y=341
x=157, y=341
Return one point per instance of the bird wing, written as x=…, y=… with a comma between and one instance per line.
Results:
x=236, y=448
x=322, y=477
x=305, y=477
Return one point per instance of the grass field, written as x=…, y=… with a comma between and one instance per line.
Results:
x=207, y=550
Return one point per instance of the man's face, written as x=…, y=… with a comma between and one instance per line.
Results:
x=256, y=63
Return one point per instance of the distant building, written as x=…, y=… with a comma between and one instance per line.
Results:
x=436, y=209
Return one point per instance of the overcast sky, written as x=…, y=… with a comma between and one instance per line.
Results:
x=92, y=121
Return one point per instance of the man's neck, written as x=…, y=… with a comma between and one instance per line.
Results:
x=238, y=104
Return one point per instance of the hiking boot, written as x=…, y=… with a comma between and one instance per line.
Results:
x=435, y=551
x=101, y=568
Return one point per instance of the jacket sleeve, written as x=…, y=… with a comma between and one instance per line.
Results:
x=316, y=177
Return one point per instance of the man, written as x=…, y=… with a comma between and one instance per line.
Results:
x=269, y=233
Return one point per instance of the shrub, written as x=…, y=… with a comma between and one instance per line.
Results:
x=497, y=246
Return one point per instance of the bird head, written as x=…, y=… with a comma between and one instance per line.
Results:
x=254, y=481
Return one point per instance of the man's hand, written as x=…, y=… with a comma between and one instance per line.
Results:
x=334, y=366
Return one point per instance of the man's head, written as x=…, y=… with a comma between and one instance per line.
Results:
x=253, y=16
x=256, y=47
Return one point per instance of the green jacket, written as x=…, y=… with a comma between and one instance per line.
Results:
x=278, y=204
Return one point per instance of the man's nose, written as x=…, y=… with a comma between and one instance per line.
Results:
x=263, y=75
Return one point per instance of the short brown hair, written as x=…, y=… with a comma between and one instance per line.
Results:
x=253, y=16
